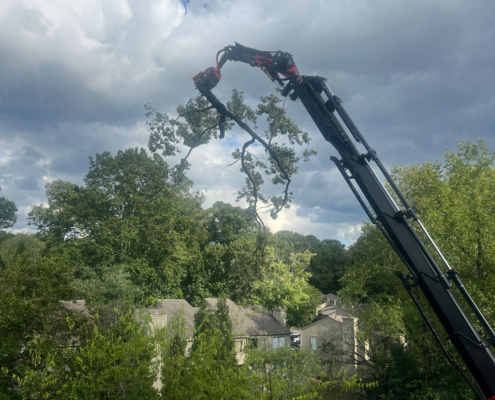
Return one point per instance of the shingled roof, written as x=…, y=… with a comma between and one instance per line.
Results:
x=247, y=321
x=331, y=296
x=76, y=305
x=170, y=308
x=333, y=310
x=252, y=321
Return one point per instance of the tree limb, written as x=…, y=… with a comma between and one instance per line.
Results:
x=194, y=145
x=192, y=111
x=253, y=184
x=222, y=109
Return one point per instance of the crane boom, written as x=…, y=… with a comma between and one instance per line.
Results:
x=394, y=221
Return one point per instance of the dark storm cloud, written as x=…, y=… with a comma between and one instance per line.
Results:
x=416, y=77
x=22, y=178
x=27, y=183
x=55, y=95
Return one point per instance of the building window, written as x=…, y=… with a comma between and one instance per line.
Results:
x=313, y=342
x=158, y=320
x=254, y=342
x=278, y=342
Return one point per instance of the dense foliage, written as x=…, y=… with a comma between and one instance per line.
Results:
x=8, y=215
x=134, y=232
x=126, y=237
x=455, y=199
x=132, y=236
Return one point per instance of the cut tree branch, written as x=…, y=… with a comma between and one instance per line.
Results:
x=194, y=145
x=192, y=111
x=222, y=109
x=253, y=184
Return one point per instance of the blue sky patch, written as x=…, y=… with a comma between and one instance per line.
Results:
x=185, y=3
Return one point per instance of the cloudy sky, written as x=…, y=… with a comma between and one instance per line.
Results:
x=416, y=77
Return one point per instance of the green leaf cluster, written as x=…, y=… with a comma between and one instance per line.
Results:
x=8, y=216
x=197, y=123
x=454, y=197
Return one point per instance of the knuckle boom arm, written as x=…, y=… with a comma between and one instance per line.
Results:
x=394, y=221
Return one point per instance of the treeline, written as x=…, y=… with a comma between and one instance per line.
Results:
x=130, y=237
x=124, y=239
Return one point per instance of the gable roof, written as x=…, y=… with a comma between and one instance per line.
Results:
x=252, y=321
x=336, y=318
x=76, y=305
x=246, y=321
x=171, y=308
x=333, y=310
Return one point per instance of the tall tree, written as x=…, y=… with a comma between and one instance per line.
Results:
x=8, y=216
x=233, y=268
x=211, y=370
x=455, y=200
x=128, y=214
x=31, y=288
x=328, y=263
x=287, y=374
x=119, y=362
x=206, y=321
x=226, y=223
x=285, y=284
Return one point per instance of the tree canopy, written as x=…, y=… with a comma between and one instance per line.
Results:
x=8, y=216
x=454, y=198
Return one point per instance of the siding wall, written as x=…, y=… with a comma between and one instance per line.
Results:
x=335, y=341
x=266, y=342
x=327, y=331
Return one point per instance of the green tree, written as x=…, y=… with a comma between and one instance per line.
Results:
x=128, y=214
x=285, y=284
x=328, y=263
x=234, y=267
x=108, y=290
x=210, y=371
x=30, y=292
x=287, y=243
x=18, y=244
x=119, y=362
x=454, y=199
x=226, y=223
x=206, y=321
x=287, y=374
x=8, y=216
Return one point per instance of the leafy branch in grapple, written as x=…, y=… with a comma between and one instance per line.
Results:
x=205, y=118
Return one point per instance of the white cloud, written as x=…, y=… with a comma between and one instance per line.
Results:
x=289, y=220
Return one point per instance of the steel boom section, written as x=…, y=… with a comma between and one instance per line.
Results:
x=436, y=287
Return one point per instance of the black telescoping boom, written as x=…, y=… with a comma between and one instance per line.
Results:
x=394, y=221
